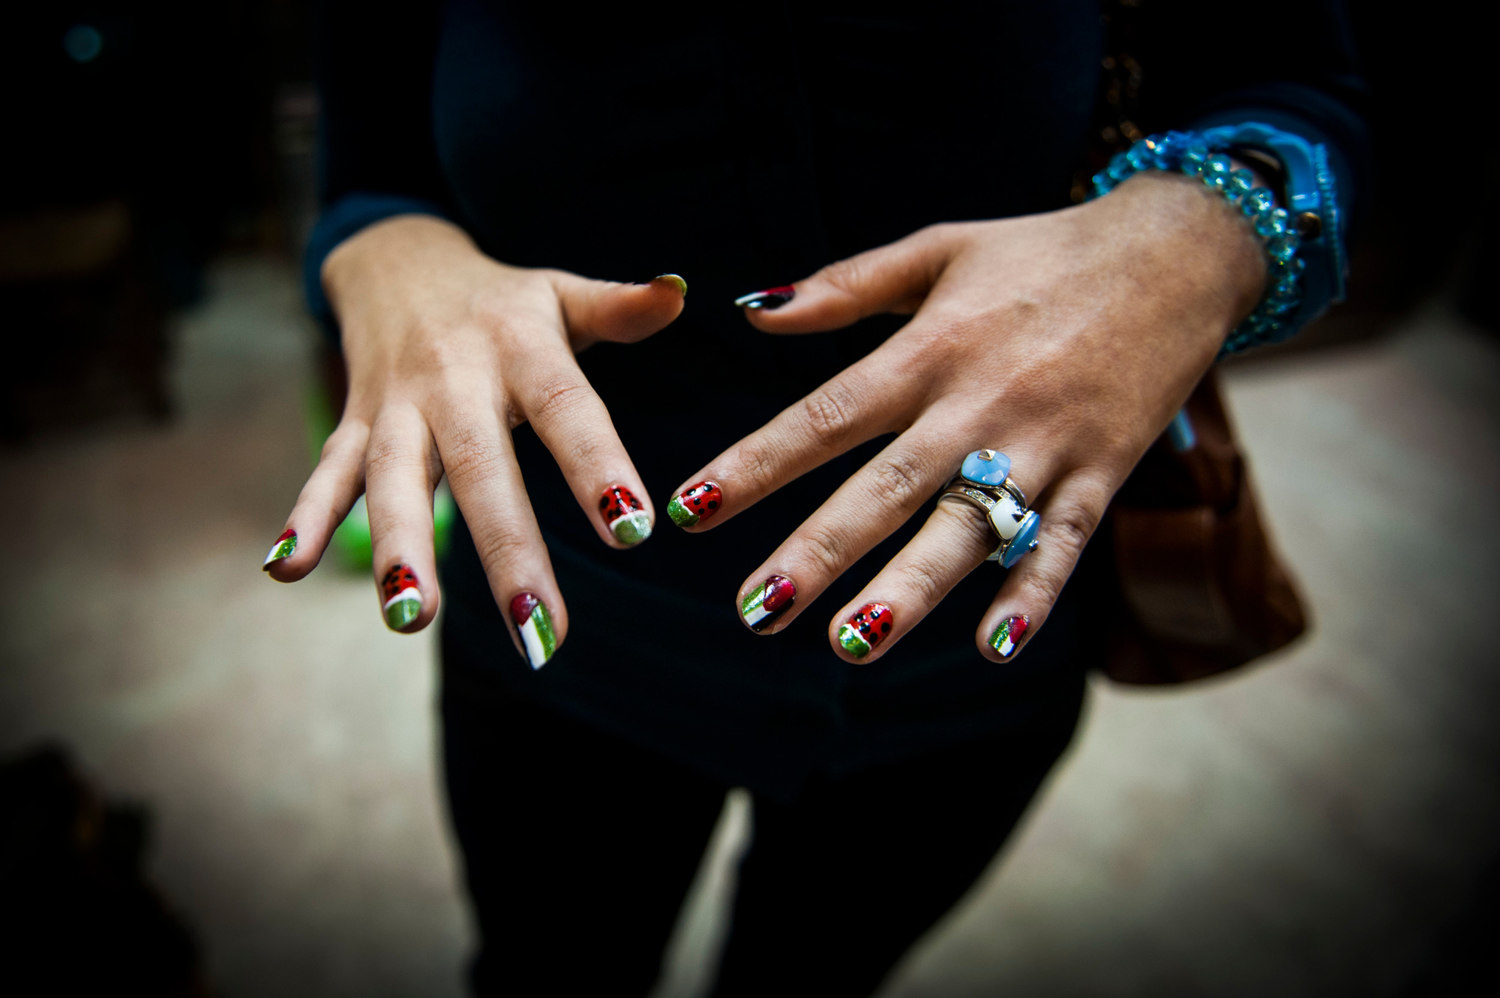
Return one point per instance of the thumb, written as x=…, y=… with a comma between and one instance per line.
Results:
x=893, y=278
x=622, y=313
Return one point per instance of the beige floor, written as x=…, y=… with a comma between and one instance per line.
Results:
x=1303, y=829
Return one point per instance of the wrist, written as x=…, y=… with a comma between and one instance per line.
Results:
x=375, y=259
x=1311, y=190
x=1193, y=247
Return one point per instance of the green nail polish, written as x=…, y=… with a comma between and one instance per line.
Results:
x=1009, y=634
x=680, y=514
x=403, y=600
x=283, y=548
x=534, y=623
x=673, y=280
x=624, y=515
x=851, y=642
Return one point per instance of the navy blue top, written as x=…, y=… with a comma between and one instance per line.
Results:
x=745, y=150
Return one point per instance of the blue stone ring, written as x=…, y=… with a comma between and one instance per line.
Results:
x=984, y=481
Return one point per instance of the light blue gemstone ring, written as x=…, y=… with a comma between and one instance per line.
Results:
x=984, y=481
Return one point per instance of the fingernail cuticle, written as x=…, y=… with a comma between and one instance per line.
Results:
x=534, y=623
x=768, y=602
x=770, y=299
x=624, y=515
x=696, y=504
x=403, y=598
x=866, y=629
x=283, y=548
x=1008, y=635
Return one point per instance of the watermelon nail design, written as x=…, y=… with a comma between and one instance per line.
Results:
x=773, y=597
x=283, y=548
x=535, y=625
x=696, y=504
x=624, y=515
x=1009, y=634
x=770, y=299
x=866, y=629
x=403, y=600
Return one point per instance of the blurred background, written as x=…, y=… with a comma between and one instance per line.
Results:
x=213, y=784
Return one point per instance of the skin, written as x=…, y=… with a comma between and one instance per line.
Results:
x=1066, y=339
x=447, y=351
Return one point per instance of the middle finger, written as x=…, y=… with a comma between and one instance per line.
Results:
x=867, y=508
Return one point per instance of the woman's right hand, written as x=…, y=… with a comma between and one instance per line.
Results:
x=447, y=351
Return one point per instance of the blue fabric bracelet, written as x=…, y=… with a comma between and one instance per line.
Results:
x=1304, y=245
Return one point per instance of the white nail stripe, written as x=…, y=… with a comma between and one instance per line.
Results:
x=535, y=653
x=756, y=614
x=409, y=593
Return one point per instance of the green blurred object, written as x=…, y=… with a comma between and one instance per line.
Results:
x=351, y=541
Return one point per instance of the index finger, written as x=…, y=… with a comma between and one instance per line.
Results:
x=848, y=410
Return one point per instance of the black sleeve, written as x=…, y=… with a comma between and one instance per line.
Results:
x=377, y=155
x=1289, y=63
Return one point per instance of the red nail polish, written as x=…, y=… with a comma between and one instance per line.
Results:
x=769, y=601
x=866, y=629
x=696, y=504
x=1009, y=634
x=403, y=598
x=283, y=548
x=624, y=515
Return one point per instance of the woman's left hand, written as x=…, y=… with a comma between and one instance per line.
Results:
x=1066, y=340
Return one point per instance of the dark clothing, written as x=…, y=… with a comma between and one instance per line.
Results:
x=579, y=847
x=745, y=150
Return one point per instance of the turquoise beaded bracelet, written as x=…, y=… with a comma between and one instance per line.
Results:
x=1202, y=155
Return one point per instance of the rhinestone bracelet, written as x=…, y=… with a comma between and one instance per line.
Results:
x=1202, y=155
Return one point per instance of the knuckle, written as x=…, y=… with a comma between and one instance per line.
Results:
x=826, y=549
x=499, y=546
x=559, y=398
x=845, y=275
x=389, y=456
x=1041, y=590
x=1071, y=527
x=900, y=481
x=831, y=413
x=469, y=454
x=760, y=460
x=928, y=581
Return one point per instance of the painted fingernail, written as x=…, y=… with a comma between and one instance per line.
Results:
x=770, y=299
x=866, y=629
x=535, y=625
x=774, y=596
x=624, y=515
x=1008, y=635
x=696, y=504
x=672, y=279
x=403, y=600
x=283, y=548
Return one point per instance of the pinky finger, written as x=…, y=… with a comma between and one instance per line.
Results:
x=1069, y=518
x=326, y=499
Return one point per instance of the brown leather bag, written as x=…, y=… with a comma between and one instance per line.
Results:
x=1201, y=589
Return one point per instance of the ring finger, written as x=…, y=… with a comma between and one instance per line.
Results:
x=955, y=540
